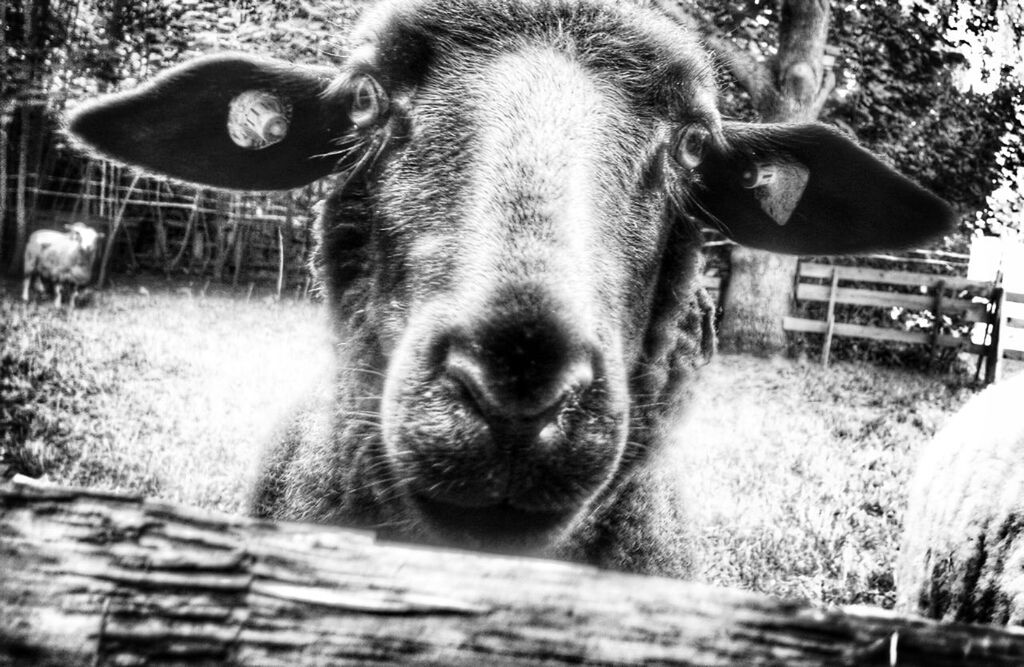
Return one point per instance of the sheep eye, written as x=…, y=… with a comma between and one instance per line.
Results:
x=692, y=146
x=368, y=102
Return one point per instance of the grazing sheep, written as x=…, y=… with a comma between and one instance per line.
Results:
x=61, y=259
x=510, y=258
x=962, y=557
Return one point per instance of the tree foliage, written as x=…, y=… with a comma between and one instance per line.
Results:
x=906, y=97
x=62, y=50
x=897, y=69
x=900, y=72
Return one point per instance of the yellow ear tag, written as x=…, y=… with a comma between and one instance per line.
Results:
x=777, y=187
x=257, y=119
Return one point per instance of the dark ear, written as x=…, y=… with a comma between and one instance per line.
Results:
x=807, y=189
x=178, y=124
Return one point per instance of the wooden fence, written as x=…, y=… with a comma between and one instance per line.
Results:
x=952, y=307
x=1007, y=330
x=93, y=578
x=155, y=224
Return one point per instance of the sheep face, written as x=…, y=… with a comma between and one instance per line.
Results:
x=86, y=237
x=518, y=218
x=509, y=250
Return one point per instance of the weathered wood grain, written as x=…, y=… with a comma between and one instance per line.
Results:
x=96, y=578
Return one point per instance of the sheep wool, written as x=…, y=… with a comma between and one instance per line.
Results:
x=962, y=557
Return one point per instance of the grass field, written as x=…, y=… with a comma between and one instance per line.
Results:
x=798, y=473
x=161, y=393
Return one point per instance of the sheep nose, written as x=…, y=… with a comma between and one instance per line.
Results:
x=518, y=398
x=523, y=374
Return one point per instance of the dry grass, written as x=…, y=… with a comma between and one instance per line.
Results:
x=797, y=473
x=162, y=394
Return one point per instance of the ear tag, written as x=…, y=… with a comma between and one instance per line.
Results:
x=257, y=119
x=777, y=187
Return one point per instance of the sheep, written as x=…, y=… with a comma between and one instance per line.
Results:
x=510, y=256
x=61, y=259
x=962, y=554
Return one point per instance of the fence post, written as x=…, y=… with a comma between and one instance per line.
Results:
x=115, y=225
x=826, y=347
x=939, y=287
x=994, y=365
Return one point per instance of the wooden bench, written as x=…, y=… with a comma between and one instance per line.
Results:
x=932, y=296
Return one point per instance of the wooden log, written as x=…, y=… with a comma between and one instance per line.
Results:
x=104, y=579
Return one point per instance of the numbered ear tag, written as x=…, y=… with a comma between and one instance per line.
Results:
x=777, y=187
x=258, y=119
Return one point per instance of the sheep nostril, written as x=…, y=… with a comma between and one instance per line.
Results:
x=521, y=396
x=470, y=378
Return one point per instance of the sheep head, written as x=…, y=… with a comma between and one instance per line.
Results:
x=513, y=234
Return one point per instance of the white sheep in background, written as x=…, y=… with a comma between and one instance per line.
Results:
x=61, y=258
x=962, y=557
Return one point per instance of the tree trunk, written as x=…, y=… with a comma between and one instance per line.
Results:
x=21, y=211
x=759, y=295
x=6, y=115
x=92, y=578
x=760, y=291
x=791, y=86
x=41, y=161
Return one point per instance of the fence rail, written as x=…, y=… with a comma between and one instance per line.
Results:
x=1008, y=330
x=887, y=276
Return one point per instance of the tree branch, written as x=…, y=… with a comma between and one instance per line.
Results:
x=751, y=74
x=803, y=31
x=828, y=84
